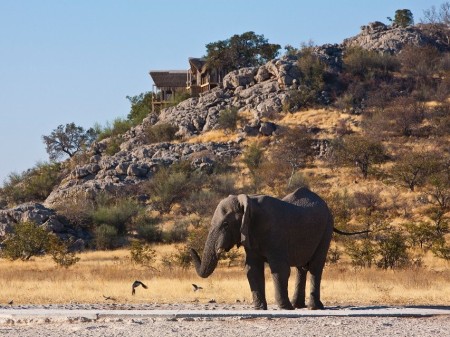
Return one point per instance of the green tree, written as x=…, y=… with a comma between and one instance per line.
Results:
x=295, y=148
x=358, y=150
x=422, y=234
x=414, y=167
x=68, y=140
x=313, y=71
x=245, y=50
x=141, y=106
x=403, y=17
x=393, y=251
x=27, y=240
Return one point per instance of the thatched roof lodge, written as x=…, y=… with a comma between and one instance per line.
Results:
x=197, y=79
x=166, y=83
x=202, y=78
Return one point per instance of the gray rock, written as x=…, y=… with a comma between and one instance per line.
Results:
x=41, y=216
x=391, y=39
x=122, y=168
x=267, y=128
x=138, y=170
x=241, y=77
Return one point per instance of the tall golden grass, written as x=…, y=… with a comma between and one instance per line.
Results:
x=111, y=274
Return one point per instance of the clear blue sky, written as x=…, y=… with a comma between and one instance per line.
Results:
x=75, y=61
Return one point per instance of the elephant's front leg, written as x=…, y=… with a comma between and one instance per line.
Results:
x=280, y=274
x=255, y=276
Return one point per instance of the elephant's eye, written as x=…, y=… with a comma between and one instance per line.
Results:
x=225, y=225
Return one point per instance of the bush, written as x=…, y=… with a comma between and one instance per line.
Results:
x=61, y=254
x=393, y=251
x=367, y=64
x=170, y=185
x=117, y=215
x=179, y=232
x=36, y=184
x=147, y=228
x=228, y=119
x=357, y=150
x=163, y=132
x=222, y=184
x=118, y=127
x=253, y=157
x=106, y=237
x=27, y=240
x=334, y=255
x=113, y=145
x=202, y=202
x=362, y=253
x=77, y=210
x=142, y=254
x=441, y=249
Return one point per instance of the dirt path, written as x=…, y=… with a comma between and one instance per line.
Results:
x=220, y=320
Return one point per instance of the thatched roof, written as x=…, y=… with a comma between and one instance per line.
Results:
x=198, y=63
x=169, y=78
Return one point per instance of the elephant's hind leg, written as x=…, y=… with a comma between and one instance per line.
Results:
x=298, y=301
x=280, y=275
x=316, y=268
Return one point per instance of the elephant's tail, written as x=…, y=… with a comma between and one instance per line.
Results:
x=349, y=233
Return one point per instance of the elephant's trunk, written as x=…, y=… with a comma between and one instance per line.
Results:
x=207, y=264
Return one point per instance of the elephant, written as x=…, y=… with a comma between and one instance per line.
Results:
x=295, y=231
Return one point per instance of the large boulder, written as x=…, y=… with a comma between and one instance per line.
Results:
x=240, y=78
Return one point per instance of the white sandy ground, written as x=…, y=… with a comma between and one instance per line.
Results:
x=220, y=320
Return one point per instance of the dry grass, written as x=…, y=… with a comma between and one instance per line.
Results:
x=111, y=274
x=212, y=136
x=325, y=119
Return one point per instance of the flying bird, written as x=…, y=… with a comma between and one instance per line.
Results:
x=196, y=287
x=135, y=285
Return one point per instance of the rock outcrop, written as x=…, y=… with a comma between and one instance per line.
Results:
x=133, y=166
x=380, y=37
x=263, y=91
x=45, y=218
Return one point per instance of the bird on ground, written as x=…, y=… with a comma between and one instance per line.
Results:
x=196, y=287
x=137, y=284
x=11, y=302
x=109, y=298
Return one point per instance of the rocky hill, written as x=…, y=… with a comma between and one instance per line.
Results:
x=262, y=92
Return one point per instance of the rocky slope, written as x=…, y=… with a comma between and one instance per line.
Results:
x=263, y=91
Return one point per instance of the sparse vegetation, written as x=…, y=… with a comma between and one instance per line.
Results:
x=386, y=120
x=34, y=184
x=160, y=133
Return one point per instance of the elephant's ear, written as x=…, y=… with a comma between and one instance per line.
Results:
x=245, y=203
